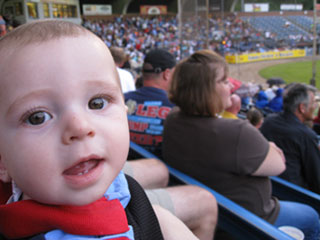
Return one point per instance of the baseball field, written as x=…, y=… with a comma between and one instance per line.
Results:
x=293, y=72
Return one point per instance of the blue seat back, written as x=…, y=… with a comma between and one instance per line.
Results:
x=285, y=190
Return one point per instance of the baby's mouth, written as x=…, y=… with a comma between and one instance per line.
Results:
x=82, y=167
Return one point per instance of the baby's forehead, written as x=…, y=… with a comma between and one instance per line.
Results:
x=86, y=44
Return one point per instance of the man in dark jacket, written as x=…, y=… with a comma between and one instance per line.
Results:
x=298, y=142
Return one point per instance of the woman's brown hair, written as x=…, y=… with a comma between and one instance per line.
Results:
x=193, y=87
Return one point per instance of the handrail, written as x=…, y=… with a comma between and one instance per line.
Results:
x=285, y=190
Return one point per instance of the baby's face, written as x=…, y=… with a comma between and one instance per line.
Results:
x=64, y=134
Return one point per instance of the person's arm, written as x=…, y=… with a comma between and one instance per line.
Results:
x=256, y=155
x=273, y=164
x=172, y=228
x=148, y=172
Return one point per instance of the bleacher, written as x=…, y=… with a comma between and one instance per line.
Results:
x=253, y=33
x=278, y=25
x=304, y=22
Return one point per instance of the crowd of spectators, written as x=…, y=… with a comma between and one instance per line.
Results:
x=7, y=24
x=138, y=34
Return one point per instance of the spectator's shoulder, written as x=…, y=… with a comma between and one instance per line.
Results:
x=310, y=133
x=272, y=116
x=175, y=111
x=130, y=95
x=230, y=122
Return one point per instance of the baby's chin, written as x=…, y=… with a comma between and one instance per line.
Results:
x=73, y=200
x=82, y=201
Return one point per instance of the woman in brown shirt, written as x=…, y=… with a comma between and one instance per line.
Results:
x=228, y=155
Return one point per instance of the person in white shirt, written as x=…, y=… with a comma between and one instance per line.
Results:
x=126, y=78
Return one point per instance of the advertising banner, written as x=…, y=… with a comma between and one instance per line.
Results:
x=256, y=7
x=153, y=9
x=291, y=7
x=96, y=9
x=270, y=55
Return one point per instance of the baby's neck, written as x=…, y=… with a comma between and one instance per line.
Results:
x=25, y=197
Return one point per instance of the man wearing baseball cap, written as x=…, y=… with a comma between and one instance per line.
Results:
x=157, y=61
x=149, y=105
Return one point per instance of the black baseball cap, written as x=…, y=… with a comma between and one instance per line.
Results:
x=158, y=60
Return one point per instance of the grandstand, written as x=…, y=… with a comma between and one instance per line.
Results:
x=279, y=28
x=304, y=22
x=233, y=35
x=181, y=31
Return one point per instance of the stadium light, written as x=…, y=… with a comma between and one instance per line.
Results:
x=207, y=24
x=313, y=79
x=222, y=10
x=180, y=27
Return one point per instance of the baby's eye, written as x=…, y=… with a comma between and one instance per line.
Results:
x=38, y=118
x=97, y=103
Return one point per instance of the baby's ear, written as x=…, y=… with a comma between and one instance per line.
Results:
x=4, y=175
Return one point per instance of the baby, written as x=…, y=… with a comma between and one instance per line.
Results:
x=64, y=135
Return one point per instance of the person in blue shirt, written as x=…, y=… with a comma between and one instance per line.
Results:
x=277, y=102
x=149, y=105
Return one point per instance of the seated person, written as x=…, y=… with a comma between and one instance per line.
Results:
x=234, y=109
x=228, y=155
x=255, y=117
x=299, y=143
x=277, y=102
x=262, y=100
x=271, y=91
x=149, y=105
x=3, y=28
x=68, y=126
x=126, y=78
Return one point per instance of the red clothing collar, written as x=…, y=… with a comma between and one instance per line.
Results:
x=27, y=218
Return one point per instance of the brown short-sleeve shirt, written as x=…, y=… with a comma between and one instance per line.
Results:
x=223, y=154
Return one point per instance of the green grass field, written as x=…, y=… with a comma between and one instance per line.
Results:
x=293, y=72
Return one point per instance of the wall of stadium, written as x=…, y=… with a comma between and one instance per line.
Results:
x=30, y=10
x=270, y=55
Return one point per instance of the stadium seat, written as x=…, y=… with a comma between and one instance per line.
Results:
x=304, y=22
x=233, y=219
x=278, y=25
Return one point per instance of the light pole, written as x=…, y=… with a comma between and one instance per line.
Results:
x=222, y=10
x=313, y=79
x=207, y=24
x=180, y=27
